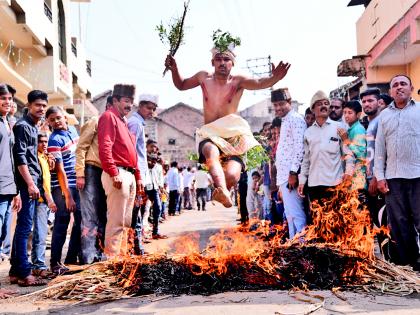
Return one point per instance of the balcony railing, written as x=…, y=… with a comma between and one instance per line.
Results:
x=48, y=12
x=74, y=49
x=88, y=68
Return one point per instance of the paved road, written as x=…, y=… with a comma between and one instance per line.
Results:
x=231, y=303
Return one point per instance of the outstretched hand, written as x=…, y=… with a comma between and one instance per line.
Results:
x=281, y=70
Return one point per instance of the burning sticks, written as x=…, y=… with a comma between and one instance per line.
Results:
x=335, y=251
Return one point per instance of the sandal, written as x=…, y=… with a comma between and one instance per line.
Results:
x=31, y=281
x=13, y=279
x=42, y=273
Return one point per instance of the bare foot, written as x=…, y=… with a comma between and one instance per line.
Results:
x=5, y=293
x=223, y=196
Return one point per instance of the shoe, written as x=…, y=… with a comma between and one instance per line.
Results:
x=159, y=237
x=59, y=269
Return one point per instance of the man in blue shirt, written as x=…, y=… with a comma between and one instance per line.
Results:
x=62, y=145
x=136, y=124
x=25, y=152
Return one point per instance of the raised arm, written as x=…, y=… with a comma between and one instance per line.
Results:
x=278, y=73
x=179, y=82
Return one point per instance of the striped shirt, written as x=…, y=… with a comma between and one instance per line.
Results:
x=397, y=147
x=62, y=145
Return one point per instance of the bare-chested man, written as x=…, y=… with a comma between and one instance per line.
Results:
x=221, y=95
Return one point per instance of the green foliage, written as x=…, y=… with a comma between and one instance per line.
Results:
x=255, y=157
x=173, y=35
x=192, y=156
x=222, y=40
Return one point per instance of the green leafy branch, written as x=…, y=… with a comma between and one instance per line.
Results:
x=256, y=156
x=174, y=33
x=222, y=40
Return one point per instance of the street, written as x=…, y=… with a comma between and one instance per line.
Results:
x=265, y=302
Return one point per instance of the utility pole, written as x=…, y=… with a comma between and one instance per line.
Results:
x=259, y=67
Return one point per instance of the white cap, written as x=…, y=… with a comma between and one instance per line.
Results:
x=152, y=98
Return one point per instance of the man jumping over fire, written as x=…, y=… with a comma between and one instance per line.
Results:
x=226, y=137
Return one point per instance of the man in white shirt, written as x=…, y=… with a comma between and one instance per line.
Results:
x=201, y=184
x=289, y=156
x=397, y=169
x=187, y=180
x=152, y=190
x=174, y=185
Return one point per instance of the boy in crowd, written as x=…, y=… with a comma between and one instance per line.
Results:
x=355, y=139
x=62, y=145
x=309, y=117
x=254, y=203
x=42, y=211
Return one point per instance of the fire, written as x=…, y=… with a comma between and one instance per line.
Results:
x=338, y=246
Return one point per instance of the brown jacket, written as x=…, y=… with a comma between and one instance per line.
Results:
x=87, y=149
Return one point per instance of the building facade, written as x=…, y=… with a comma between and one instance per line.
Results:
x=174, y=130
x=388, y=43
x=37, y=51
x=262, y=112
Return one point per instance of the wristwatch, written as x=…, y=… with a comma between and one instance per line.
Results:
x=293, y=173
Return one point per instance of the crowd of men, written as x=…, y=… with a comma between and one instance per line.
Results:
x=110, y=182
x=369, y=146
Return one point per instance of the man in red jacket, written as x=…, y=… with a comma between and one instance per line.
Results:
x=120, y=177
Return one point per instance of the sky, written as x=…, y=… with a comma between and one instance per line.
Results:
x=314, y=36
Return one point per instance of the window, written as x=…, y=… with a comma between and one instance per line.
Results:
x=47, y=9
x=171, y=141
x=61, y=33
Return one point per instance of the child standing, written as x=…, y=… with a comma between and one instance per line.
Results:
x=355, y=139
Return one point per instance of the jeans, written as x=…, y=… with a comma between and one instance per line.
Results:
x=403, y=207
x=61, y=223
x=179, y=203
x=137, y=226
x=267, y=203
x=93, y=207
x=293, y=209
x=5, y=223
x=187, y=198
x=201, y=194
x=153, y=196
x=163, y=209
x=173, y=201
x=20, y=265
x=39, y=236
x=277, y=209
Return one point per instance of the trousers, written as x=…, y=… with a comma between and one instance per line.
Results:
x=120, y=203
